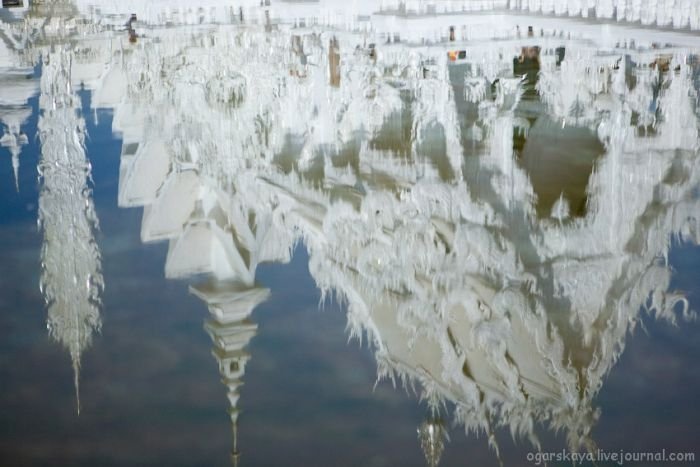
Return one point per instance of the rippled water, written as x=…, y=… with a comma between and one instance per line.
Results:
x=454, y=233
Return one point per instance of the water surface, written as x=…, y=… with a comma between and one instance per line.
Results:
x=452, y=243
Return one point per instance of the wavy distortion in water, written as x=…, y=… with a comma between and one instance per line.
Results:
x=494, y=207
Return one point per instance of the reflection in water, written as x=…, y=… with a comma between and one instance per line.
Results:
x=16, y=91
x=444, y=262
x=71, y=278
x=14, y=113
x=230, y=305
x=432, y=434
x=424, y=183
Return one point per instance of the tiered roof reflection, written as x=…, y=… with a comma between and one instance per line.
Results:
x=443, y=260
x=407, y=169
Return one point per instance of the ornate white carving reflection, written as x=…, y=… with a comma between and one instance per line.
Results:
x=512, y=318
x=392, y=159
x=71, y=278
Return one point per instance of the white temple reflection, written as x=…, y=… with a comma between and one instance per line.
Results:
x=494, y=206
x=414, y=198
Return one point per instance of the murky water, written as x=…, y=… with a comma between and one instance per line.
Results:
x=459, y=233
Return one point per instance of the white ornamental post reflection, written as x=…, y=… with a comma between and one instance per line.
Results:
x=13, y=140
x=71, y=278
x=15, y=111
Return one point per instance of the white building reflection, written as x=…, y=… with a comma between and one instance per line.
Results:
x=496, y=214
x=417, y=210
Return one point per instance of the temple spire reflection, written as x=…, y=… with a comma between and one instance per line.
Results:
x=71, y=279
x=230, y=305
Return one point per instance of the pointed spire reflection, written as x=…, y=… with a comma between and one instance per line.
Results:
x=230, y=305
x=71, y=279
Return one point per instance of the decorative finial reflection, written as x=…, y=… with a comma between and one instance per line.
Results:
x=13, y=140
x=432, y=435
